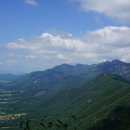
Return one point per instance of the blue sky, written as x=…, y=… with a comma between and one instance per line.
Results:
x=39, y=34
x=19, y=19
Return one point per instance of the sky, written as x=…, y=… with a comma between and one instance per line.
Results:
x=40, y=34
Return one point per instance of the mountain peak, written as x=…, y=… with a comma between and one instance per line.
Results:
x=63, y=66
x=113, y=62
x=117, y=61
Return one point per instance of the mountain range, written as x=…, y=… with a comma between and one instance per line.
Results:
x=90, y=92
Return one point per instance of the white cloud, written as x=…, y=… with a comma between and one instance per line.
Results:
x=60, y=56
x=66, y=42
x=31, y=2
x=117, y=9
x=50, y=49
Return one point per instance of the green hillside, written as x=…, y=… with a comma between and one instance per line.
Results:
x=90, y=103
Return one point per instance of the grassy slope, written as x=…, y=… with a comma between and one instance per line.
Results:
x=90, y=103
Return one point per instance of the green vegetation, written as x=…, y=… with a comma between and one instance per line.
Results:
x=118, y=119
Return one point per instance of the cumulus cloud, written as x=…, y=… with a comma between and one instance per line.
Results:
x=50, y=49
x=31, y=2
x=117, y=9
x=63, y=42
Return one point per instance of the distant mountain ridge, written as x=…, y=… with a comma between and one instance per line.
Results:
x=59, y=76
x=115, y=67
